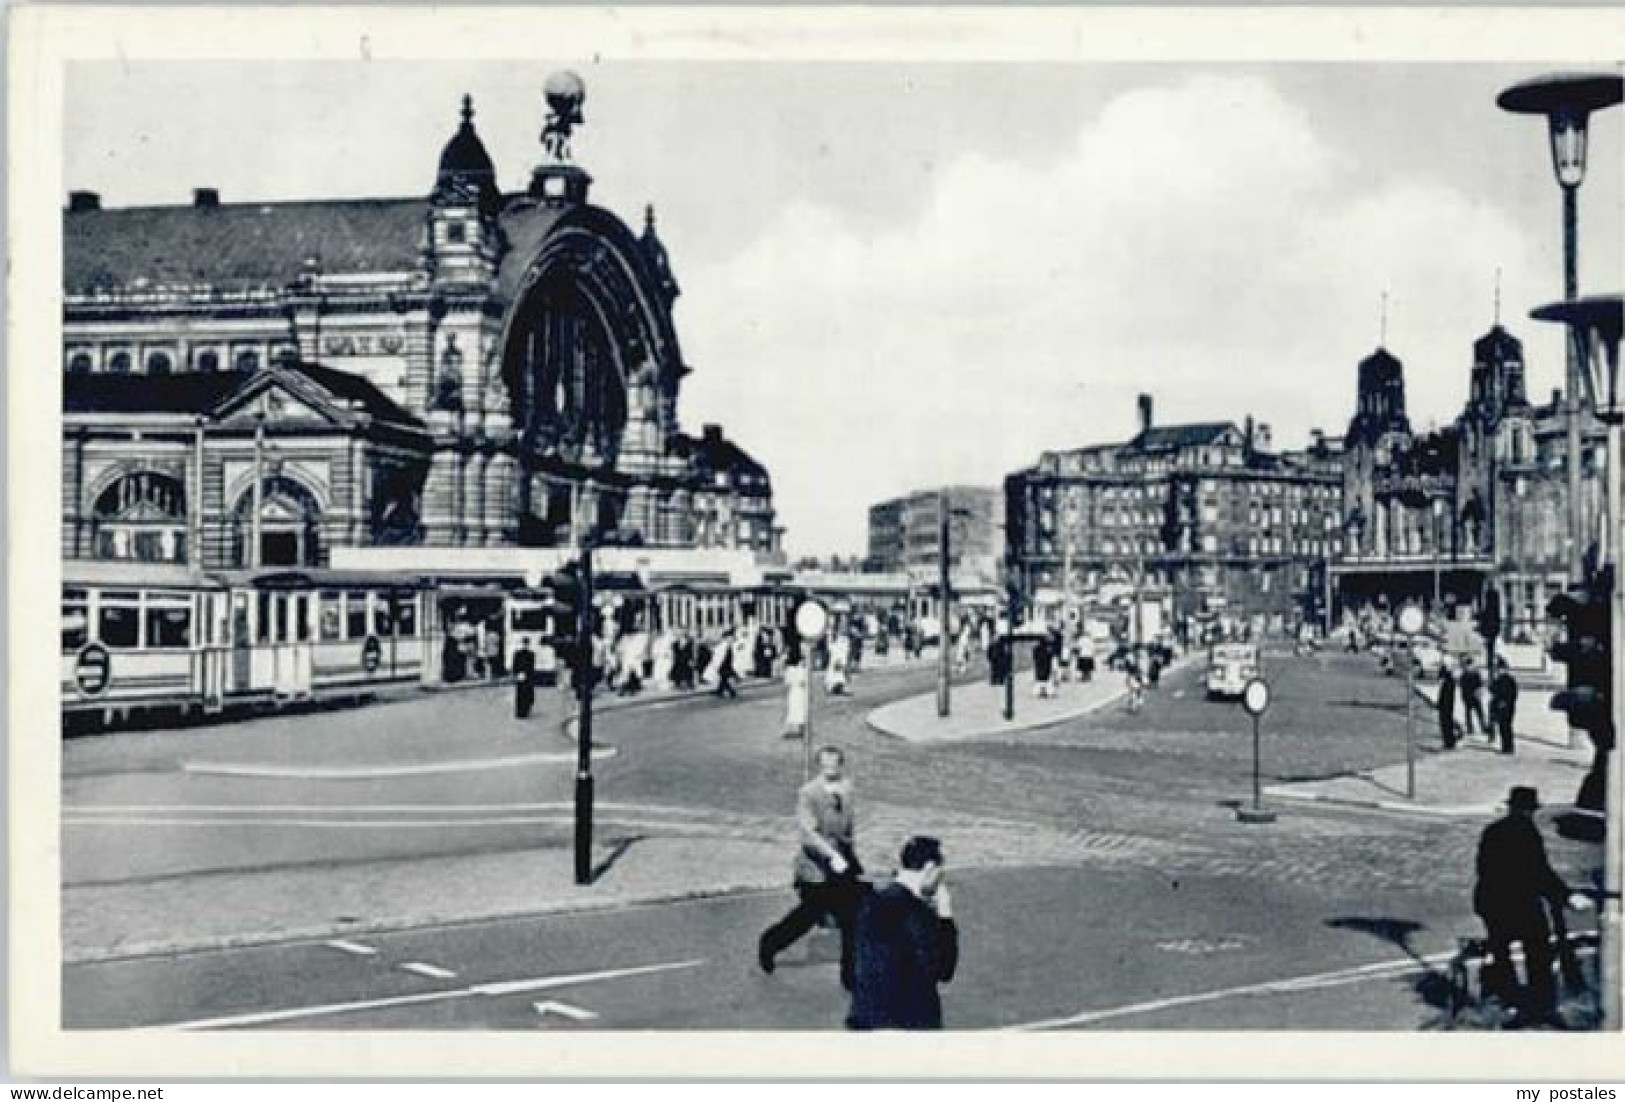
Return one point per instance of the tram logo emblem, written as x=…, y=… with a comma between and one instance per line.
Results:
x=372, y=653
x=93, y=672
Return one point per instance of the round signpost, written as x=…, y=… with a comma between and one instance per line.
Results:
x=812, y=620
x=93, y=671
x=1256, y=699
x=1411, y=622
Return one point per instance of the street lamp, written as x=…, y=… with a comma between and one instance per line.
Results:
x=811, y=620
x=1595, y=323
x=1567, y=100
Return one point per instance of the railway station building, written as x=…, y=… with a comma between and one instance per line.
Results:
x=256, y=384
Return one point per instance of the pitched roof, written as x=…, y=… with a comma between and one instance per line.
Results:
x=1171, y=437
x=713, y=452
x=238, y=246
x=192, y=392
x=359, y=389
x=195, y=392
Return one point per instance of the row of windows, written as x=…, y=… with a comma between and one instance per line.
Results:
x=162, y=361
x=129, y=620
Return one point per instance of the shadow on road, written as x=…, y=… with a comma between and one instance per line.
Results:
x=616, y=852
x=1432, y=986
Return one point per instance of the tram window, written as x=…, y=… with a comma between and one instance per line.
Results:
x=406, y=615
x=282, y=635
x=383, y=623
x=355, y=619
x=75, y=620
x=169, y=626
x=119, y=624
x=332, y=622
x=301, y=617
x=262, y=633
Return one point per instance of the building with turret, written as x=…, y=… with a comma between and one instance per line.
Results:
x=257, y=383
x=1436, y=517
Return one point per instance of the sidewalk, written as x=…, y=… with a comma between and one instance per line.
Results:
x=1470, y=781
x=977, y=709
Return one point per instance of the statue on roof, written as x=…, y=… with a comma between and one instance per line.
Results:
x=565, y=93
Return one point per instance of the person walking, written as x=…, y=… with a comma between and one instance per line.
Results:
x=1043, y=668
x=725, y=668
x=905, y=945
x=1503, y=703
x=1516, y=885
x=835, y=673
x=826, y=865
x=1446, y=706
x=524, y=680
x=1472, y=698
x=796, y=688
x=1136, y=683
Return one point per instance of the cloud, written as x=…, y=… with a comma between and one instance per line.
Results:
x=1201, y=241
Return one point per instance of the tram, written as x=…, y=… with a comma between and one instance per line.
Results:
x=140, y=637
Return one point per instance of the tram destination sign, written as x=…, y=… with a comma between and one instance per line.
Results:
x=372, y=653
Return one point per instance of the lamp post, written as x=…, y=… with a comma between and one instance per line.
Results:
x=942, y=605
x=1438, y=514
x=1595, y=324
x=587, y=671
x=811, y=621
x=1567, y=100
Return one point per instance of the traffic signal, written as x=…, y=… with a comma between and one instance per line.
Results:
x=567, y=592
x=1587, y=652
x=1489, y=614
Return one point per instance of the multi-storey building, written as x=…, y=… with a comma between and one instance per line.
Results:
x=1437, y=516
x=1205, y=517
x=905, y=535
x=465, y=368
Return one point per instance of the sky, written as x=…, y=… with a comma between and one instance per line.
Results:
x=902, y=275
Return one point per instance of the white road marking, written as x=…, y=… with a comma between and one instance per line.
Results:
x=509, y=987
x=1313, y=982
x=516, y=987
x=432, y=971
x=355, y=949
x=374, y=772
x=575, y=1013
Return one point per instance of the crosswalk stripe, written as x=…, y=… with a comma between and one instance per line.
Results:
x=432, y=971
x=540, y=983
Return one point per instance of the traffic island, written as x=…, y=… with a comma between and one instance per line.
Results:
x=977, y=710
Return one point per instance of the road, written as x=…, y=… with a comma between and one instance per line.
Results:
x=1102, y=879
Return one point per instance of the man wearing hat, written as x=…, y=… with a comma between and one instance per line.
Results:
x=1516, y=885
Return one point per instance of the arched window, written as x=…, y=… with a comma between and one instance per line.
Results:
x=80, y=363
x=141, y=516
x=247, y=360
x=208, y=361
x=159, y=363
x=290, y=523
x=119, y=363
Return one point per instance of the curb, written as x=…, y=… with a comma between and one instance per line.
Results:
x=1015, y=729
x=1019, y=728
x=1455, y=812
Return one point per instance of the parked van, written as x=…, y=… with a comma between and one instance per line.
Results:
x=1229, y=667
